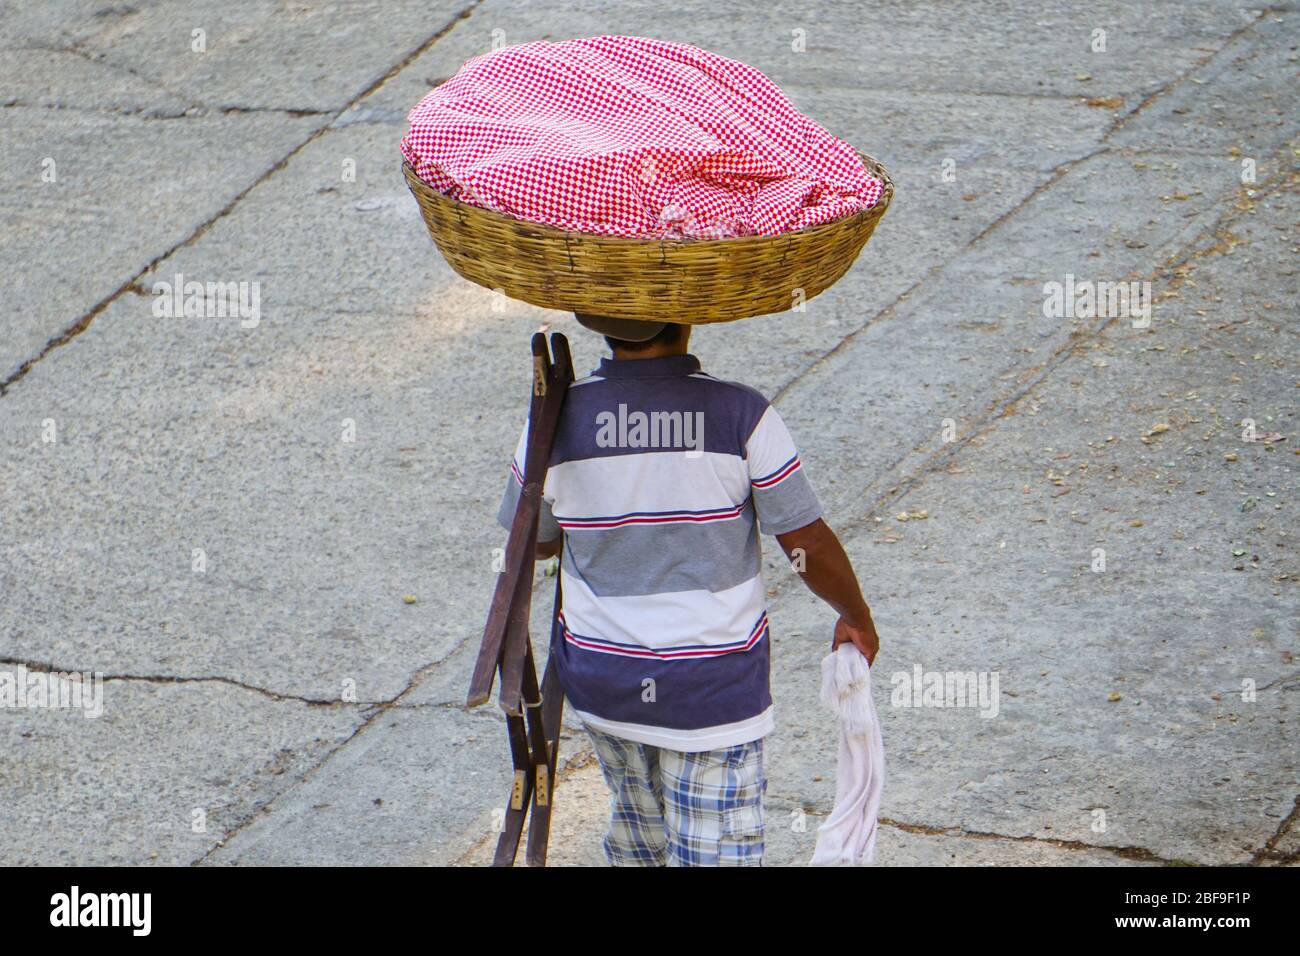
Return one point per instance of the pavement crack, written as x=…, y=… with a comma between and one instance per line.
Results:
x=154, y=113
x=1269, y=851
x=1136, y=853
x=432, y=705
x=45, y=668
x=138, y=112
x=1286, y=680
x=285, y=110
x=375, y=712
x=101, y=60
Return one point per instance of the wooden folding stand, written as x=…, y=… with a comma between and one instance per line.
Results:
x=532, y=713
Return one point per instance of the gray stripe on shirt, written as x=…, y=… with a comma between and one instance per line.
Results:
x=663, y=558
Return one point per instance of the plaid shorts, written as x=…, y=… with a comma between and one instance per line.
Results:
x=669, y=808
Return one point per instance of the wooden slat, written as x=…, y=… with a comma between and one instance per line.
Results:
x=552, y=711
x=543, y=418
x=552, y=693
x=533, y=712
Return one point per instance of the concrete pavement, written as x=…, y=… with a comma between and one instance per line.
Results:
x=227, y=521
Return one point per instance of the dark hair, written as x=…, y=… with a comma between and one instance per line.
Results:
x=670, y=334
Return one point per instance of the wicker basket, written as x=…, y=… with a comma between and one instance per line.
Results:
x=691, y=281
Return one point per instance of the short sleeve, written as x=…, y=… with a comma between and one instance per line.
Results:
x=547, y=528
x=783, y=497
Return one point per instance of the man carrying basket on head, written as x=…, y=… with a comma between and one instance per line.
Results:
x=628, y=179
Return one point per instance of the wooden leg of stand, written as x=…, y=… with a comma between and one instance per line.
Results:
x=551, y=714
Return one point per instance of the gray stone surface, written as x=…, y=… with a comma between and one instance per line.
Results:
x=127, y=189
x=397, y=794
x=293, y=690
x=161, y=774
x=151, y=139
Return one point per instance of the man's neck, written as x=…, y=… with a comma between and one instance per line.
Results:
x=659, y=350
x=655, y=351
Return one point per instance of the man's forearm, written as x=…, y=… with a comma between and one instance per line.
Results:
x=818, y=557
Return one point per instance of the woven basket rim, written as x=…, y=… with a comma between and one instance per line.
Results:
x=874, y=168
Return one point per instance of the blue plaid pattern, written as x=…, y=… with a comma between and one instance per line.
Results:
x=670, y=808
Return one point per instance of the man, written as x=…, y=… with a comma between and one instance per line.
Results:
x=660, y=480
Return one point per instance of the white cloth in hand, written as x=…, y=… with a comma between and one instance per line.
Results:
x=848, y=837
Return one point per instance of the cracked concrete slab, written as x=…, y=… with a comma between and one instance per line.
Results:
x=1232, y=105
x=158, y=777
x=124, y=189
x=58, y=78
x=298, y=63
x=397, y=795
x=119, y=505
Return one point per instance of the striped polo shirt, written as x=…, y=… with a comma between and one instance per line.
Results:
x=660, y=479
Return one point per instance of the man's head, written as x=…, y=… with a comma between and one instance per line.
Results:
x=631, y=338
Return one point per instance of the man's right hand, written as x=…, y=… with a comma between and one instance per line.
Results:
x=864, y=637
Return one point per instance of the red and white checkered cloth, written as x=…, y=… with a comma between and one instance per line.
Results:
x=629, y=136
